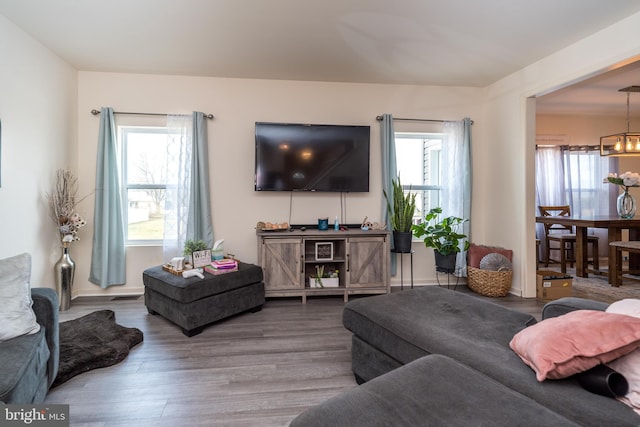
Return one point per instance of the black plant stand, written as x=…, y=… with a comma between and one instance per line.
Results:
x=402, y=253
x=448, y=273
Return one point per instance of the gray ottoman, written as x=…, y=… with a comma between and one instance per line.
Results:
x=194, y=303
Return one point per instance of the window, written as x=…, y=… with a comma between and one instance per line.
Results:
x=572, y=175
x=144, y=161
x=584, y=171
x=418, y=157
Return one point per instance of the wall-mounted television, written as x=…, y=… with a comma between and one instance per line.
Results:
x=311, y=157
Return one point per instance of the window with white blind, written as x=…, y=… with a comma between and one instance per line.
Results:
x=418, y=160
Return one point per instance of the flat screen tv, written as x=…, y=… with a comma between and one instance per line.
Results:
x=307, y=157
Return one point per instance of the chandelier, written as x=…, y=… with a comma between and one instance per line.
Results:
x=624, y=143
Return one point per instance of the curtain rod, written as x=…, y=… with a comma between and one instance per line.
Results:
x=379, y=118
x=571, y=147
x=96, y=112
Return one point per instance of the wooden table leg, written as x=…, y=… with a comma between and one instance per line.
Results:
x=617, y=269
x=634, y=257
x=615, y=235
x=581, y=252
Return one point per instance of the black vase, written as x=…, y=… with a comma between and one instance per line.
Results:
x=402, y=241
x=445, y=263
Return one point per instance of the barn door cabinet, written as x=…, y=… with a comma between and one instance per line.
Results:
x=291, y=259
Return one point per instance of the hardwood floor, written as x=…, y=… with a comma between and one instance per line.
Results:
x=255, y=369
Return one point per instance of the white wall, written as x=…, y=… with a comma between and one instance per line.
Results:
x=504, y=196
x=39, y=115
x=237, y=104
x=587, y=129
x=37, y=112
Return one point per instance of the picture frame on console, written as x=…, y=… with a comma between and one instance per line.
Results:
x=324, y=251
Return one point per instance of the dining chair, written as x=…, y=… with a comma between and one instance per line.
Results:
x=565, y=237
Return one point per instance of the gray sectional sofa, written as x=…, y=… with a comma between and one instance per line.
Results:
x=29, y=363
x=433, y=356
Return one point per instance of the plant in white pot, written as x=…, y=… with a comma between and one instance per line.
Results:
x=401, y=208
x=322, y=279
x=444, y=237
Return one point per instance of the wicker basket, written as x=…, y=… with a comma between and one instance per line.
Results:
x=488, y=282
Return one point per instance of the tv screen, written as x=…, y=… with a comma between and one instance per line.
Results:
x=304, y=157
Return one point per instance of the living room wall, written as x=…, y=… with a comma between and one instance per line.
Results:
x=37, y=115
x=36, y=85
x=504, y=191
x=585, y=129
x=237, y=104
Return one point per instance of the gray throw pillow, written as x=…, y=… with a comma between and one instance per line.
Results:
x=16, y=316
x=495, y=262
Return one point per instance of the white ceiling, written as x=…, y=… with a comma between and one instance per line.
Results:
x=598, y=95
x=427, y=42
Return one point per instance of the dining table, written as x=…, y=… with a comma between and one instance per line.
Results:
x=613, y=223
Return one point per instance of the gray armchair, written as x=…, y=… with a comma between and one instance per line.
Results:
x=29, y=364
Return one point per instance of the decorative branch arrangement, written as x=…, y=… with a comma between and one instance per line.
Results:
x=63, y=201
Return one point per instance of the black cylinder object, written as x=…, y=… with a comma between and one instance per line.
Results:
x=604, y=381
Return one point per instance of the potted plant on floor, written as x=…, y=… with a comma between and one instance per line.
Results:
x=444, y=237
x=401, y=208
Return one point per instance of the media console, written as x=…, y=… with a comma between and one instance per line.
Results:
x=289, y=259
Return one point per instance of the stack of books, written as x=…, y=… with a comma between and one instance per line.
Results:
x=222, y=266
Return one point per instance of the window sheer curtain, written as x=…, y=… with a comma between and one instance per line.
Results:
x=585, y=170
x=456, y=179
x=187, y=198
x=456, y=175
x=573, y=176
x=108, y=252
x=389, y=173
x=550, y=189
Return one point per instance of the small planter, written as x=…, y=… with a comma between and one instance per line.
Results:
x=327, y=282
x=402, y=241
x=445, y=263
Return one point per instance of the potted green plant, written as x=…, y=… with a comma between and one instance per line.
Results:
x=401, y=208
x=191, y=246
x=444, y=237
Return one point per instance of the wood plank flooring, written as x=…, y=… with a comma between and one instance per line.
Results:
x=255, y=369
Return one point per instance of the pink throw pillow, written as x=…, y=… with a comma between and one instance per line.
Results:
x=562, y=346
x=477, y=252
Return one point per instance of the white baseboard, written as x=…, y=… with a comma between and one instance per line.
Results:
x=110, y=293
